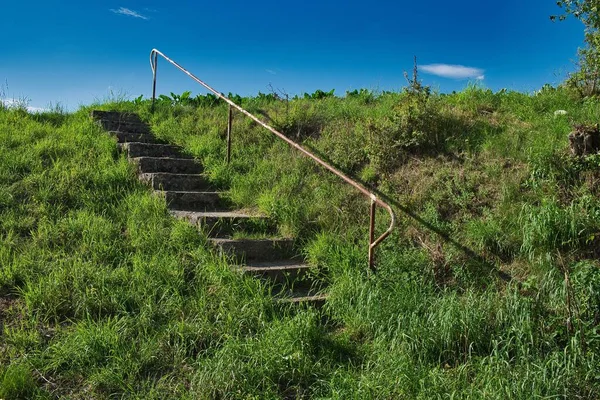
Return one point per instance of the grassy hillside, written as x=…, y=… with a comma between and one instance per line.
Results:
x=489, y=287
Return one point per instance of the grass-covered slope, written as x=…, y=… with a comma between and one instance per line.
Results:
x=489, y=287
x=102, y=293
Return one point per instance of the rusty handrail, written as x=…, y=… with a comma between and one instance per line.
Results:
x=373, y=243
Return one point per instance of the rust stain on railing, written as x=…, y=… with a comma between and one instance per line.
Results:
x=373, y=243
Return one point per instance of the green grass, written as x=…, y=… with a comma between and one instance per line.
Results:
x=488, y=288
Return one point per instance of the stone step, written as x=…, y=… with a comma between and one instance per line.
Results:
x=222, y=223
x=178, y=182
x=256, y=250
x=194, y=201
x=122, y=122
x=126, y=137
x=280, y=271
x=136, y=149
x=116, y=116
x=166, y=164
x=307, y=296
x=121, y=126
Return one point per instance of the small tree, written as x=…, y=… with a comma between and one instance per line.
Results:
x=584, y=10
x=587, y=79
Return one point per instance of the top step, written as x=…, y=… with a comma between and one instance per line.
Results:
x=116, y=116
x=126, y=127
x=137, y=149
x=120, y=122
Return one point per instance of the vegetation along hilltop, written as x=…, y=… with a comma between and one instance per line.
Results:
x=489, y=286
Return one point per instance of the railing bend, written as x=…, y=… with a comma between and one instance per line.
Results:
x=373, y=243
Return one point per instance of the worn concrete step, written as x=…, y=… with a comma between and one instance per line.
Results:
x=136, y=149
x=179, y=182
x=308, y=296
x=123, y=126
x=279, y=271
x=256, y=250
x=121, y=122
x=194, y=201
x=116, y=116
x=223, y=223
x=167, y=164
x=126, y=137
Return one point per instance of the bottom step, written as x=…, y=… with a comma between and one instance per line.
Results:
x=297, y=298
x=280, y=271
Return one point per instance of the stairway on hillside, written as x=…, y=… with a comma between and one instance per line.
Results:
x=190, y=196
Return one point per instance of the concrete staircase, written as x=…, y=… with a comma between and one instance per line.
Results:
x=190, y=196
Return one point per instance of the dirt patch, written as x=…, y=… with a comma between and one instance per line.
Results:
x=8, y=310
x=6, y=303
x=7, y=307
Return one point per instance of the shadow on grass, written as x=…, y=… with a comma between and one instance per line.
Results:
x=470, y=253
x=479, y=259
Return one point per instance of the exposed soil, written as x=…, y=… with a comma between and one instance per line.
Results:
x=6, y=303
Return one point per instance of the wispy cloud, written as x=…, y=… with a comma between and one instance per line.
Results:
x=270, y=71
x=127, y=11
x=13, y=103
x=37, y=109
x=453, y=71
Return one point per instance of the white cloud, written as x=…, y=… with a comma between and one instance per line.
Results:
x=12, y=103
x=37, y=109
x=270, y=71
x=453, y=71
x=127, y=11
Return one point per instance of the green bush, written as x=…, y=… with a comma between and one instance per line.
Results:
x=411, y=127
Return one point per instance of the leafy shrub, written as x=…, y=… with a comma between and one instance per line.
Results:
x=410, y=127
x=319, y=94
x=364, y=95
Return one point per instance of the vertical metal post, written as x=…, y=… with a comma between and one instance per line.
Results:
x=229, y=121
x=372, y=234
x=154, y=80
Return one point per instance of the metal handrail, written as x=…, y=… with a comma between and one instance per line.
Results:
x=373, y=243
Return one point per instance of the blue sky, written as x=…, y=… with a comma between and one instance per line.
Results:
x=75, y=52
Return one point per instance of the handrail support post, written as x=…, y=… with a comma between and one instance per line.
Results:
x=372, y=234
x=229, y=123
x=154, y=68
